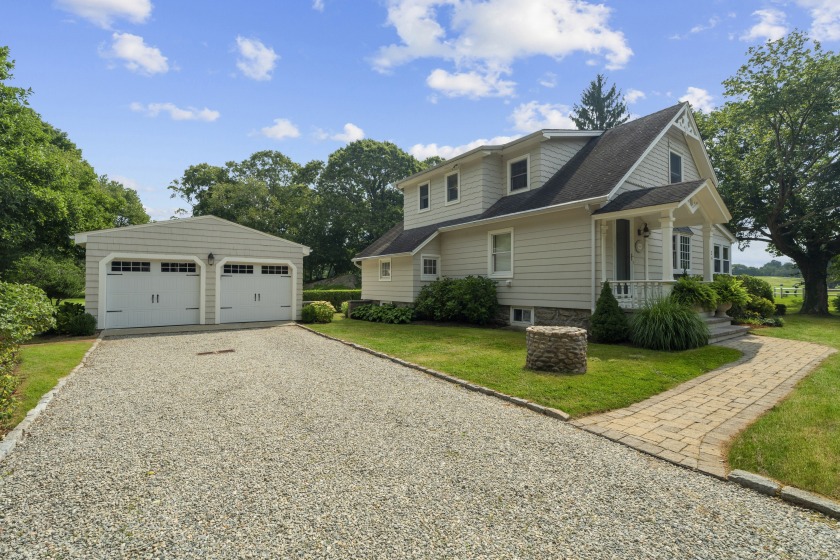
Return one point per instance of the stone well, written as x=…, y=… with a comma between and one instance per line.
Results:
x=556, y=349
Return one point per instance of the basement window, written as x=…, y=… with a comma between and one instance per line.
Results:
x=522, y=315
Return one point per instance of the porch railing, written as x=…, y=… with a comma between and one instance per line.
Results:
x=635, y=294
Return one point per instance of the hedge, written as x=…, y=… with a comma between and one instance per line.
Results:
x=335, y=297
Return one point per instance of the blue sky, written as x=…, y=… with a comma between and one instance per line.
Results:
x=147, y=89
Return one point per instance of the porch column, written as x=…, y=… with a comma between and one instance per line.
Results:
x=708, y=274
x=666, y=221
x=603, y=252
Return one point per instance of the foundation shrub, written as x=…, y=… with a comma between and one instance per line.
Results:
x=466, y=300
x=383, y=314
x=317, y=312
x=668, y=325
x=608, y=324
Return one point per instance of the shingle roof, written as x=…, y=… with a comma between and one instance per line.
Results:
x=654, y=196
x=592, y=172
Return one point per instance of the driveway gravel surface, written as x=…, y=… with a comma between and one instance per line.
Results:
x=296, y=446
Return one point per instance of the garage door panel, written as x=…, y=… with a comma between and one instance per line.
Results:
x=255, y=296
x=152, y=297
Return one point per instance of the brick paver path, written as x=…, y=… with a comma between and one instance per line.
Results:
x=689, y=424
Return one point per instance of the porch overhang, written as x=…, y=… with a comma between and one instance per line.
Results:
x=692, y=203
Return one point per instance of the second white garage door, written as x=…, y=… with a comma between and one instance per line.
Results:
x=255, y=292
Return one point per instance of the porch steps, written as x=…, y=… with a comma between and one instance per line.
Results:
x=721, y=328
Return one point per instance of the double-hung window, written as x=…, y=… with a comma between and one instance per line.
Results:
x=453, y=188
x=430, y=267
x=424, y=197
x=385, y=270
x=518, y=174
x=681, y=253
x=675, y=167
x=721, y=258
x=501, y=253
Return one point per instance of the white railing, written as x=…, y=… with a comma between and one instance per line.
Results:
x=798, y=291
x=635, y=294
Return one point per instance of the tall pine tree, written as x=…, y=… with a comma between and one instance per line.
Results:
x=600, y=108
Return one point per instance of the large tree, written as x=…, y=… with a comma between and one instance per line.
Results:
x=600, y=107
x=774, y=146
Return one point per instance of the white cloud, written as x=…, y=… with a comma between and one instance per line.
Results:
x=176, y=113
x=470, y=84
x=318, y=5
x=351, y=134
x=104, y=12
x=530, y=117
x=423, y=151
x=634, y=95
x=826, y=15
x=136, y=55
x=549, y=80
x=485, y=38
x=282, y=128
x=770, y=26
x=256, y=60
x=699, y=98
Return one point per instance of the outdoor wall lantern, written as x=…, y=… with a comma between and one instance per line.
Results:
x=211, y=260
x=644, y=232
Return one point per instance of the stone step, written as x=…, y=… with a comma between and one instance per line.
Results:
x=719, y=333
x=716, y=320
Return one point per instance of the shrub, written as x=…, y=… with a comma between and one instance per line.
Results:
x=317, y=312
x=609, y=323
x=81, y=325
x=774, y=322
x=781, y=309
x=692, y=292
x=8, y=384
x=757, y=287
x=761, y=294
x=65, y=314
x=668, y=325
x=836, y=303
x=383, y=314
x=345, y=308
x=334, y=297
x=729, y=289
x=469, y=300
x=59, y=277
x=762, y=306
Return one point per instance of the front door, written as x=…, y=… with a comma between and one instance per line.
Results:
x=622, y=256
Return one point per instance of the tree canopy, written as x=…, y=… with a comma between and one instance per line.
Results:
x=47, y=190
x=774, y=149
x=600, y=108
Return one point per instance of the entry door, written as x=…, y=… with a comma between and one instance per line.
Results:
x=622, y=257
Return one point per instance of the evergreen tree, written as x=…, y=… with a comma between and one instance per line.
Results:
x=609, y=323
x=600, y=108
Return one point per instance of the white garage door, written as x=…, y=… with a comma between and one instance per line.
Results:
x=151, y=294
x=255, y=292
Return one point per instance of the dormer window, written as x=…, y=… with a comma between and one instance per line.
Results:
x=424, y=198
x=518, y=174
x=453, y=188
x=676, y=168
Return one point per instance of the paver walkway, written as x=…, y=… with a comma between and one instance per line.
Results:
x=690, y=423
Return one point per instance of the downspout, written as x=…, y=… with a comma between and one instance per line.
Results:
x=592, y=264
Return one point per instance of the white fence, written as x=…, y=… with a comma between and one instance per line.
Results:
x=798, y=291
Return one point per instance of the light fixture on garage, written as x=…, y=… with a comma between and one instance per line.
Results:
x=211, y=260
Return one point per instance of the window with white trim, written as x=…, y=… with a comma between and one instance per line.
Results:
x=522, y=315
x=429, y=267
x=721, y=259
x=518, y=174
x=423, y=191
x=500, y=255
x=385, y=269
x=453, y=188
x=675, y=167
x=681, y=252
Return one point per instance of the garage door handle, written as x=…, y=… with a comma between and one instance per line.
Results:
x=153, y=298
x=158, y=298
x=259, y=297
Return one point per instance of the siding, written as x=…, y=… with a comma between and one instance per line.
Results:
x=653, y=170
x=401, y=286
x=551, y=259
x=188, y=237
x=471, y=197
x=555, y=153
x=432, y=248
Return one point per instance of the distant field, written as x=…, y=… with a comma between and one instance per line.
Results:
x=785, y=282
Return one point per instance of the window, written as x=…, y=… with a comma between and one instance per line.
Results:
x=676, y=168
x=681, y=252
x=275, y=269
x=522, y=315
x=177, y=267
x=453, y=188
x=429, y=267
x=130, y=266
x=385, y=270
x=721, y=258
x=518, y=174
x=501, y=254
x=424, y=197
x=239, y=269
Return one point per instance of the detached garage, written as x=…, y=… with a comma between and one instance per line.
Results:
x=193, y=271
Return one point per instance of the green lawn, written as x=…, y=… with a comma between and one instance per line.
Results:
x=798, y=441
x=42, y=365
x=617, y=375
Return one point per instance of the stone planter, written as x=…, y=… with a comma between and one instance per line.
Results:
x=722, y=308
x=556, y=349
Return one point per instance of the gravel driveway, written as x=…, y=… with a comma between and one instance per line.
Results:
x=296, y=446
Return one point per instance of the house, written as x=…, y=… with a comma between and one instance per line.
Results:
x=554, y=214
x=192, y=271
